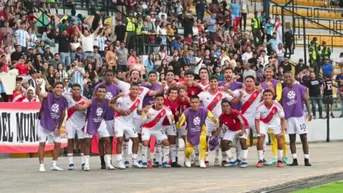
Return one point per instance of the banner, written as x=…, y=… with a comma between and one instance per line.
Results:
x=18, y=128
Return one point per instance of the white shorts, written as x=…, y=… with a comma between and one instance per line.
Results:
x=102, y=131
x=44, y=135
x=210, y=127
x=265, y=129
x=126, y=128
x=110, y=127
x=73, y=129
x=182, y=131
x=296, y=125
x=138, y=125
x=233, y=135
x=170, y=130
x=159, y=134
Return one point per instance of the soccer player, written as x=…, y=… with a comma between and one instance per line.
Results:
x=269, y=116
x=130, y=103
x=112, y=90
x=204, y=83
x=170, y=81
x=75, y=122
x=143, y=91
x=236, y=130
x=294, y=96
x=152, y=126
x=211, y=101
x=51, y=117
x=192, y=87
x=195, y=117
x=96, y=124
x=172, y=102
x=151, y=85
x=276, y=87
x=231, y=84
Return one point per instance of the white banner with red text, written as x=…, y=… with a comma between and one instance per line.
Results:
x=18, y=128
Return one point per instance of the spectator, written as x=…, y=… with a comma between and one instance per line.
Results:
x=122, y=56
x=63, y=41
x=315, y=87
x=327, y=68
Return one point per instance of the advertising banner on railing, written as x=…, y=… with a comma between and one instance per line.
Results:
x=18, y=128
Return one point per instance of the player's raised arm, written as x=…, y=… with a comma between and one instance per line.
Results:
x=39, y=93
x=159, y=91
x=79, y=107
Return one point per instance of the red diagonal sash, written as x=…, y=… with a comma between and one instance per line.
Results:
x=72, y=110
x=250, y=101
x=270, y=116
x=135, y=105
x=215, y=101
x=155, y=120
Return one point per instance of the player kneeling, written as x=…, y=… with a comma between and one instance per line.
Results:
x=152, y=126
x=195, y=117
x=268, y=116
x=236, y=129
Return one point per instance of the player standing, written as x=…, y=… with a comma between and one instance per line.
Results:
x=96, y=124
x=293, y=98
x=152, y=126
x=204, y=83
x=236, y=130
x=112, y=90
x=130, y=103
x=52, y=114
x=195, y=117
x=269, y=115
x=211, y=100
x=75, y=122
x=192, y=87
x=231, y=84
x=172, y=102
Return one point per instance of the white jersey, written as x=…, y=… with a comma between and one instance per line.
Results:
x=204, y=87
x=212, y=102
x=156, y=118
x=249, y=112
x=125, y=103
x=77, y=118
x=270, y=117
x=143, y=91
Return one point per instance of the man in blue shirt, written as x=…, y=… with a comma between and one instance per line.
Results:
x=175, y=44
x=236, y=14
x=211, y=25
x=274, y=42
x=327, y=68
x=269, y=29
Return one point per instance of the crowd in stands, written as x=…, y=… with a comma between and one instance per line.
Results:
x=216, y=37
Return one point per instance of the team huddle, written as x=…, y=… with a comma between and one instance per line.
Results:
x=207, y=115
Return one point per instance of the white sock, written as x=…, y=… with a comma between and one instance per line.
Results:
x=217, y=151
x=87, y=160
x=260, y=155
x=224, y=156
x=144, y=152
x=166, y=151
x=134, y=157
x=126, y=150
x=206, y=157
x=41, y=165
x=196, y=151
x=279, y=154
x=54, y=163
x=108, y=159
x=140, y=150
x=238, y=151
x=158, y=153
x=119, y=157
x=149, y=154
x=306, y=156
x=82, y=158
x=229, y=155
x=244, y=155
x=294, y=156
x=173, y=152
x=70, y=158
x=177, y=147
